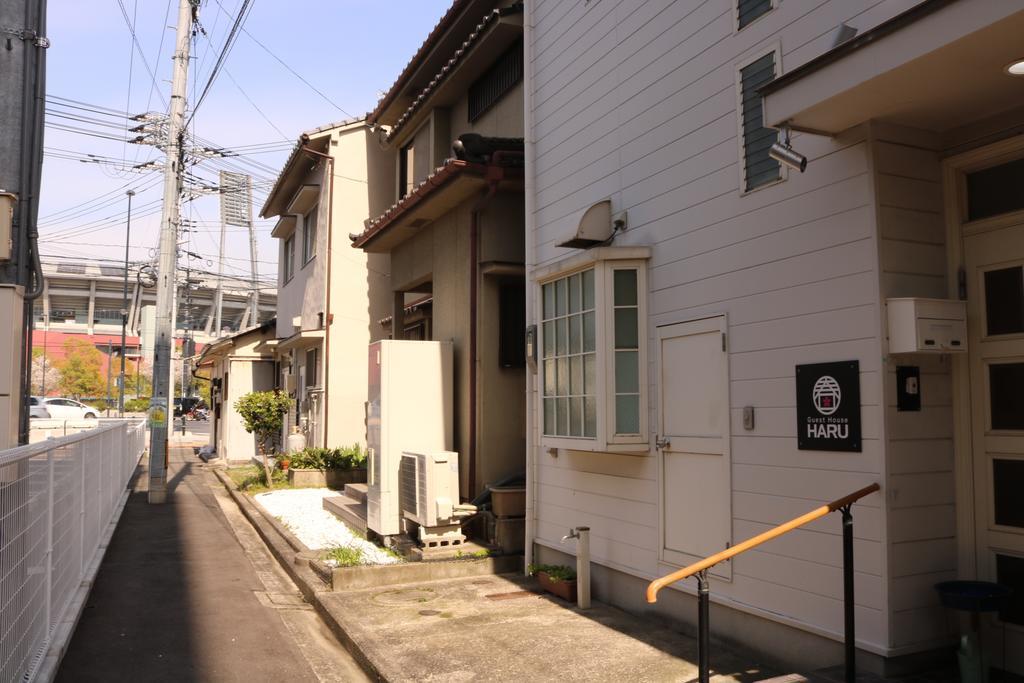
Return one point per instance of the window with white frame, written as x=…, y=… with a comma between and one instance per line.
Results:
x=289, y=258
x=309, y=234
x=593, y=348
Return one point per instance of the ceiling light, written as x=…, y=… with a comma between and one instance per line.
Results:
x=1016, y=68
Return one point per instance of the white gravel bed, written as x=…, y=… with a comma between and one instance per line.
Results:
x=302, y=512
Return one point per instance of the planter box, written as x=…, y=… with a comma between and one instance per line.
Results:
x=334, y=479
x=563, y=589
x=508, y=501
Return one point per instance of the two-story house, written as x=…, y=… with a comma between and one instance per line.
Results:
x=454, y=234
x=327, y=312
x=804, y=277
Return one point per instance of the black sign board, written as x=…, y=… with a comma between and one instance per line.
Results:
x=828, y=406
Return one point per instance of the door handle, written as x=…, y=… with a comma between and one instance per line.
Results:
x=662, y=442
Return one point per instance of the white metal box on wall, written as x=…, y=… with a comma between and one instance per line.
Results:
x=927, y=325
x=409, y=409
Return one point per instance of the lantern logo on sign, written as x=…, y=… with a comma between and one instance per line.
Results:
x=826, y=395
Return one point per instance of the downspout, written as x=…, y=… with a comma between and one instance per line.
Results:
x=328, y=317
x=34, y=44
x=529, y=185
x=474, y=270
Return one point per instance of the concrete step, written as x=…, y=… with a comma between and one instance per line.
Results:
x=348, y=510
x=356, y=492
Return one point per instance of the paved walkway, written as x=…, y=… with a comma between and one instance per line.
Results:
x=187, y=592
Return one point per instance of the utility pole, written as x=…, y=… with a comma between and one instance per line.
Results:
x=23, y=63
x=218, y=301
x=110, y=368
x=255, y=317
x=124, y=304
x=166, y=289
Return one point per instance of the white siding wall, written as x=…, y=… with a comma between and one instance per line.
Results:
x=922, y=518
x=637, y=101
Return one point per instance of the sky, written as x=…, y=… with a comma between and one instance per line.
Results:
x=348, y=52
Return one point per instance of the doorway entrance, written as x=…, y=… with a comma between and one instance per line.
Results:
x=993, y=262
x=693, y=428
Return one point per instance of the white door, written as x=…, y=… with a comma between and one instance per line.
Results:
x=994, y=261
x=693, y=376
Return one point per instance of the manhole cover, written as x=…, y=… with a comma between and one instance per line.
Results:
x=405, y=596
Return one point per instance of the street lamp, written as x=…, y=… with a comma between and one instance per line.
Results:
x=124, y=304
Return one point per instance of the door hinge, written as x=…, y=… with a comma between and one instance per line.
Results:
x=724, y=348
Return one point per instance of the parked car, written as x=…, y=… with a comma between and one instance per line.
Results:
x=36, y=408
x=69, y=409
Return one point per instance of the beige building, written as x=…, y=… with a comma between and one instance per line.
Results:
x=236, y=365
x=454, y=233
x=328, y=308
x=717, y=280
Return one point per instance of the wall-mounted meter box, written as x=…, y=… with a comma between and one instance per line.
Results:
x=927, y=325
x=7, y=202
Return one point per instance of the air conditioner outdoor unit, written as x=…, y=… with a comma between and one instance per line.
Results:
x=429, y=487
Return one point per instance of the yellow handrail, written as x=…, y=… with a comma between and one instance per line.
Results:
x=775, y=532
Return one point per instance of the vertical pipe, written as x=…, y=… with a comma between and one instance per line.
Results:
x=583, y=567
x=848, y=604
x=529, y=183
x=703, y=627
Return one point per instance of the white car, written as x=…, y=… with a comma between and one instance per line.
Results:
x=36, y=407
x=69, y=409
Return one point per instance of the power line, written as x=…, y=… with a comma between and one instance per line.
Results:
x=135, y=41
x=222, y=57
x=293, y=71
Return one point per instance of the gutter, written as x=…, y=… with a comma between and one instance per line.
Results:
x=529, y=185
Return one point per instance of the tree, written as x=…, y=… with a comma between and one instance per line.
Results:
x=262, y=414
x=45, y=375
x=80, y=370
x=138, y=378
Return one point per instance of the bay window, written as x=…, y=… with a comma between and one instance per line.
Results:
x=593, y=351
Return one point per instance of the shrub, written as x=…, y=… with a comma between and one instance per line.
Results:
x=313, y=458
x=555, y=572
x=137, y=405
x=262, y=414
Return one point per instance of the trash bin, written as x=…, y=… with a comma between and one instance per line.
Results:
x=974, y=597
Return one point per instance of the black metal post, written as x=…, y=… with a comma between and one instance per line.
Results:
x=703, y=627
x=848, y=604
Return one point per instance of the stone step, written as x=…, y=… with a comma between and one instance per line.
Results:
x=356, y=492
x=351, y=512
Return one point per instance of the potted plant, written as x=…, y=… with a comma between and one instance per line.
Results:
x=556, y=579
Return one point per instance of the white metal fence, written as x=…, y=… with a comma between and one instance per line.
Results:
x=57, y=500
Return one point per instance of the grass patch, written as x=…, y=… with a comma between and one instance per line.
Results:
x=252, y=479
x=345, y=556
x=477, y=555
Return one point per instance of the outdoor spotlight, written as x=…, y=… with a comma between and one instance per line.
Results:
x=784, y=153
